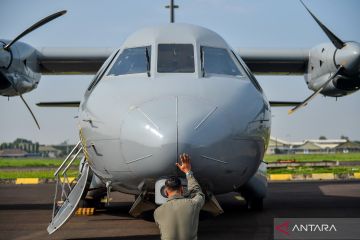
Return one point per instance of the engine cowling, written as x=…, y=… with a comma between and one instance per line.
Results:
x=19, y=70
x=325, y=59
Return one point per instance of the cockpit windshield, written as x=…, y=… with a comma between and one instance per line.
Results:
x=132, y=60
x=218, y=61
x=175, y=58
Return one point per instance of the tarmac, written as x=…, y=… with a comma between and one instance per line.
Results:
x=25, y=211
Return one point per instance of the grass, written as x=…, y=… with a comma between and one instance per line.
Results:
x=32, y=162
x=310, y=170
x=49, y=174
x=33, y=174
x=313, y=157
x=47, y=162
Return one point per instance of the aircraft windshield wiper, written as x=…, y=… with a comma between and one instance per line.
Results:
x=202, y=61
x=147, y=61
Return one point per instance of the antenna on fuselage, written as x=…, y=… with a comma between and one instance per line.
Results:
x=172, y=7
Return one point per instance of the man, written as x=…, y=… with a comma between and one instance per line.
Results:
x=178, y=218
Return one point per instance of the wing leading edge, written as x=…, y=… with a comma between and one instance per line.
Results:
x=89, y=60
x=276, y=61
x=72, y=60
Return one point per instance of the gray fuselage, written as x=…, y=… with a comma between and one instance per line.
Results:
x=134, y=126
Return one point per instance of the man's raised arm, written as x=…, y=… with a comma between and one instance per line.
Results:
x=197, y=196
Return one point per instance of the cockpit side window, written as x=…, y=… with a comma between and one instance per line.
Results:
x=175, y=58
x=218, y=61
x=132, y=60
x=248, y=72
x=102, y=70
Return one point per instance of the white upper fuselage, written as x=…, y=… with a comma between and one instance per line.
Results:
x=134, y=125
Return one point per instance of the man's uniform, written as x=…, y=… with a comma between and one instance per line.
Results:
x=178, y=218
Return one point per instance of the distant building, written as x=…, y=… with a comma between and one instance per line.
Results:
x=21, y=144
x=13, y=153
x=348, y=147
x=278, y=146
x=308, y=147
x=31, y=149
x=49, y=151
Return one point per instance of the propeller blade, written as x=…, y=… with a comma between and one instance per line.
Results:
x=338, y=43
x=307, y=100
x=27, y=106
x=35, y=26
x=31, y=112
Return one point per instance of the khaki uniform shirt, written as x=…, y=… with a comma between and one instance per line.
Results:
x=178, y=218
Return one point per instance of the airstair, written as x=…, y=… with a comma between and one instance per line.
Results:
x=68, y=191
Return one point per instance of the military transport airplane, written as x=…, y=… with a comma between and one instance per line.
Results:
x=171, y=89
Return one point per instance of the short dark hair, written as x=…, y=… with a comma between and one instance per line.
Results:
x=173, y=183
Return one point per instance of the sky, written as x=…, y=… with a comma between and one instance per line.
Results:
x=242, y=23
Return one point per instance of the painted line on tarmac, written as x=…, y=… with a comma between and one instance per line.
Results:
x=271, y=177
x=312, y=177
x=280, y=177
x=27, y=181
x=323, y=176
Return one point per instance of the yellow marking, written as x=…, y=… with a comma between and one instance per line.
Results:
x=323, y=176
x=83, y=143
x=27, y=181
x=104, y=200
x=85, y=211
x=357, y=175
x=69, y=179
x=280, y=177
x=239, y=198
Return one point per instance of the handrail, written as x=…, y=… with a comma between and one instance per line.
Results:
x=66, y=159
x=72, y=160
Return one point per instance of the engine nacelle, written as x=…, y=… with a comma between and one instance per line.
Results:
x=325, y=59
x=19, y=70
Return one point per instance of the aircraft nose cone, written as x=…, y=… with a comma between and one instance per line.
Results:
x=154, y=133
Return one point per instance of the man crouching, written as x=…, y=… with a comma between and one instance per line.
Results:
x=178, y=218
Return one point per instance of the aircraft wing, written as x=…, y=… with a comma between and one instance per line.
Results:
x=72, y=60
x=275, y=61
x=89, y=60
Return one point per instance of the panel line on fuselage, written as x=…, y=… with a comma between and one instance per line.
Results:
x=214, y=159
x=205, y=118
x=148, y=118
x=138, y=159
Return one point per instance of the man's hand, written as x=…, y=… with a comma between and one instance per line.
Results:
x=185, y=166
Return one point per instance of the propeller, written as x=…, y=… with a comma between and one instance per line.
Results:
x=348, y=54
x=307, y=100
x=35, y=26
x=338, y=43
x=26, y=104
x=7, y=47
x=31, y=112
